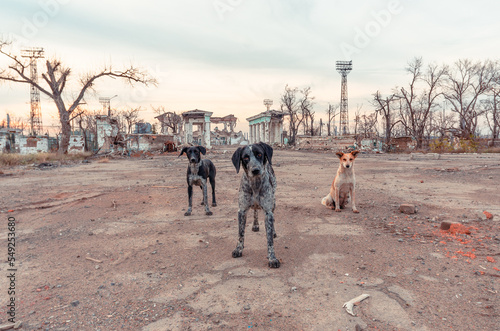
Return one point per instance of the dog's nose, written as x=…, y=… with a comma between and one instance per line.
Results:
x=193, y=160
x=256, y=171
x=347, y=166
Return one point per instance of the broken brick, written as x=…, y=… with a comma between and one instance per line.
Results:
x=488, y=215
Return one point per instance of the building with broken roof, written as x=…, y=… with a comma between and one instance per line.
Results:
x=266, y=127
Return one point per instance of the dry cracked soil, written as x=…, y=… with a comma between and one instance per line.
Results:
x=105, y=245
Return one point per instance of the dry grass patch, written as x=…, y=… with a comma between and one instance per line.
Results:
x=14, y=159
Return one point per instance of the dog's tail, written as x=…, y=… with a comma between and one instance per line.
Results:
x=328, y=201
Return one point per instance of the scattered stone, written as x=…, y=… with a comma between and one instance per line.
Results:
x=75, y=303
x=407, y=209
x=445, y=225
x=488, y=215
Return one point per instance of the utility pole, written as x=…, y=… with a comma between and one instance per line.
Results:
x=34, y=54
x=343, y=68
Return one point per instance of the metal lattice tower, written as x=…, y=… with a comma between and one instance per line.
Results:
x=344, y=67
x=34, y=54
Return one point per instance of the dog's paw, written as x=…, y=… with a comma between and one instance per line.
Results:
x=209, y=213
x=255, y=228
x=237, y=253
x=214, y=204
x=188, y=213
x=274, y=263
x=355, y=211
x=337, y=210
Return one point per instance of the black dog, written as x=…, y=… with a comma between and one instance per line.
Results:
x=257, y=188
x=197, y=174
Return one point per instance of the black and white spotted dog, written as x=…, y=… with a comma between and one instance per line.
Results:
x=257, y=188
x=198, y=172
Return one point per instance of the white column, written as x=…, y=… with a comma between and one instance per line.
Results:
x=250, y=133
x=266, y=132
x=207, y=133
x=281, y=131
x=188, y=131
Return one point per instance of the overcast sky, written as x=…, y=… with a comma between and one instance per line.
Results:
x=226, y=56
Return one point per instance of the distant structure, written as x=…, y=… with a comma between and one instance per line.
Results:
x=200, y=119
x=344, y=67
x=34, y=54
x=106, y=103
x=268, y=103
x=266, y=126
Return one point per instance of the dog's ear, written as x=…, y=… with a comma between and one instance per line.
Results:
x=183, y=151
x=202, y=149
x=339, y=154
x=237, y=159
x=354, y=153
x=268, y=151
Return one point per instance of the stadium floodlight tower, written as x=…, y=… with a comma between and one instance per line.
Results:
x=268, y=103
x=34, y=53
x=344, y=67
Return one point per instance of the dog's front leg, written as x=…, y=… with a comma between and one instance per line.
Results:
x=353, y=198
x=255, y=227
x=270, y=233
x=212, y=184
x=337, y=199
x=242, y=221
x=205, y=197
x=190, y=199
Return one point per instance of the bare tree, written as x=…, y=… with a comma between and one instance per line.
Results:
x=418, y=103
x=368, y=125
x=331, y=112
x=168, y=119
x=492, y=106
x=290, y=106
x=130, y=116
x=18, y=122
x=306, y=107
x=357, y=119
x=56, y=78
x=385, y=107
x=466, y=82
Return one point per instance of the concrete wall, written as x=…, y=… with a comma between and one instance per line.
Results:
x=76, y=144
x=147, y=142
x=4, y=144
x=107, y=130
x=32, y=145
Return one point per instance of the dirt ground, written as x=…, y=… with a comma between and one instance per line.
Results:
x=105, y=245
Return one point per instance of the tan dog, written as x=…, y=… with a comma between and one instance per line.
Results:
x=343, y=185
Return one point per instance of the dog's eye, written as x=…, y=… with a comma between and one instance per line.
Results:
x=351, y=159
x=259, y=155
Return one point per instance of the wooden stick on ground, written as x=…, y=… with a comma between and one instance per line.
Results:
x=93, y=260
x=349, y=305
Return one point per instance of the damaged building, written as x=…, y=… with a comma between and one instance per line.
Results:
x=266, y=127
